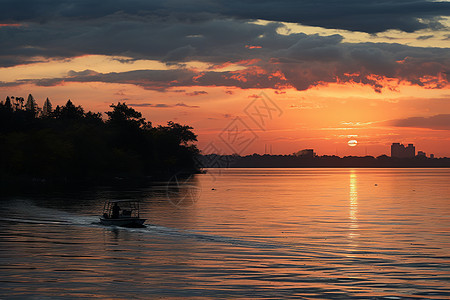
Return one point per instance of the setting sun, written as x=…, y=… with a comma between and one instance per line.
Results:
x=352, y=143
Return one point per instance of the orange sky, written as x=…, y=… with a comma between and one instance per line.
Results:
x=320, y=106
x=324, y=118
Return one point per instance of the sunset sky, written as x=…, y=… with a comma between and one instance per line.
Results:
x=249, y=76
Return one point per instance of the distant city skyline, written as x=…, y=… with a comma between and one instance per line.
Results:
x=268, y=149
x=397, y=150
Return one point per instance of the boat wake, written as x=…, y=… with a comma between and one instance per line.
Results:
x=28, y=213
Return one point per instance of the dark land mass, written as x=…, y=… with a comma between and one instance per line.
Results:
x=69, y=145
x=292, y=161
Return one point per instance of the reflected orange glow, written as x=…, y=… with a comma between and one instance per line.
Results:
x=353, y=208
x=271, y=228
x=353, y=197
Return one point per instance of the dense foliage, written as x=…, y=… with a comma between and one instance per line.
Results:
x=68, y=143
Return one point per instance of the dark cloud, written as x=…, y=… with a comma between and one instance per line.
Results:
x=162, y=105
x=185, y=105
x=87, y=72
x=161, y=80
x=11, y=84
x=297, y=59
x=368, y=16
x=439, y=122
x=366, y=63
x=196, y=93
x=425, y=37
x=303, y=62
x=163, y=40
x=180, y=54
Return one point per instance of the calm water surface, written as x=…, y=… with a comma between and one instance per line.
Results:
x=238, y=233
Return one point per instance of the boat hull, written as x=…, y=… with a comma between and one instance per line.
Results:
x=123, y=222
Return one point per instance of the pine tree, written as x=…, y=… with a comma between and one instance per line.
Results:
x=8, y=104
x=31, y=106
x=31, y=103
x=47, y=108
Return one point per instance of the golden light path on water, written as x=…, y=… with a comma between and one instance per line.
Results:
x=353, y=208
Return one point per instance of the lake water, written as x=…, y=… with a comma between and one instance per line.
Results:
x=238, y=233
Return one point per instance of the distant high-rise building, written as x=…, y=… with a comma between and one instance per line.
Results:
x=410, y=151
x=306, y=153
x=421, y=154
x=396, y=149
x=400, y=151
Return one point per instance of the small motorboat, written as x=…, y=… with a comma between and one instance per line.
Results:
x=124, y=213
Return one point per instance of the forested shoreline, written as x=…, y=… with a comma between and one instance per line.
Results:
x=67, y=144
x=325, y=161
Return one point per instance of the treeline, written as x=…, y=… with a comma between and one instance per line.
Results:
x=293, y=161
x=66, y=143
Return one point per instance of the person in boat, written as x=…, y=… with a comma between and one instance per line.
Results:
x=115, y=211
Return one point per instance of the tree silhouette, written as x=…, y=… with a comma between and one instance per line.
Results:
x=183, y=133
x=7, y=105
x=31, y=104
x=69, y=112
x=69, y=144
x=47, y=108
x=122, y=115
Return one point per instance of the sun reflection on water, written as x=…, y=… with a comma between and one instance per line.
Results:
x=353, y=205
